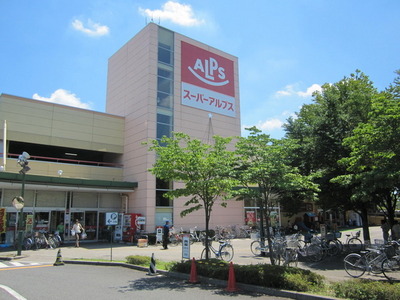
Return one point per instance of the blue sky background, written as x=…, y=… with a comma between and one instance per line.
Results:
x=58, y=50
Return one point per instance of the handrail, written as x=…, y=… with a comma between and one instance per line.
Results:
x=67, y=160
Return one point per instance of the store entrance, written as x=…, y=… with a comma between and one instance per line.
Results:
x=88, y=219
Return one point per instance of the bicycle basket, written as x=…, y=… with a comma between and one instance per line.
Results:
x=390, y=251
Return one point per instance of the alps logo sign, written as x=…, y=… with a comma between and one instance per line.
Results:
x=207, y=80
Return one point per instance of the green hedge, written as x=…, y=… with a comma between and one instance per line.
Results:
x=361, y=289
x=279, y=277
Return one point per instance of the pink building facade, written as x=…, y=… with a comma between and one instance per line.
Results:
x=161, y=81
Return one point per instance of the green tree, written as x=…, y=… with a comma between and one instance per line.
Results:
x=204, y=169
x=374, y=161
x=320, y=129
x=263, y=169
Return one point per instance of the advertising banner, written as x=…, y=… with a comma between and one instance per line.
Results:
x=207, y=80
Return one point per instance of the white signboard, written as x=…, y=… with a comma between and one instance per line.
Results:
x=111, y=218
x=186, y=246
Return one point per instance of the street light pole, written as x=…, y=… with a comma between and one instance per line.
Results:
x=23, y=162
x=20, y=219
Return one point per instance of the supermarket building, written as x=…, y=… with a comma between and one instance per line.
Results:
x=86, y=164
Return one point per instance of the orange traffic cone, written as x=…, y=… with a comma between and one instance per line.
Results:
x=231, y=280
x=193, y=272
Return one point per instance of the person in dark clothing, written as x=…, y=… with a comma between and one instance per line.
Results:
x=166, y=235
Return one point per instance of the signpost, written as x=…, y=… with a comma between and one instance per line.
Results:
x=186, y=246
x=111, y=220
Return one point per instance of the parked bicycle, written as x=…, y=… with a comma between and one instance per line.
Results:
x=391, y=265
x=353, y=242
x=278, y=246
x=372, y=261
x=196, y=237
x=290, y=256
x=224, y=251
x=175, y=238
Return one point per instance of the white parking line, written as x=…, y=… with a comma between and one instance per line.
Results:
x=12, y=292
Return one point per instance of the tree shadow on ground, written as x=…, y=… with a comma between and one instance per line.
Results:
x=165, y=283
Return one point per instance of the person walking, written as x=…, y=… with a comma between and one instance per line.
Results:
x=385, y=230
x=166, y=235
x=60, y=228
x=77, y=229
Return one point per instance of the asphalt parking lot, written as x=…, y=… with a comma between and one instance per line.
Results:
x=331, y=268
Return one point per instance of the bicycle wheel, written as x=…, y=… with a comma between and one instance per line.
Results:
x=314, y=253
x=333, y=248
x=374, y=260
x=354, y=264
x=255, y=248
x=203, y=254
x=355, y=245
x=227, y=252
x=340, y=245
x=391, y=268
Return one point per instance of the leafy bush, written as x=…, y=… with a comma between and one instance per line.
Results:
x=366, y=290
x=262, y=274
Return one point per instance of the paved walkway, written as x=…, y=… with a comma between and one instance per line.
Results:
x=331, y=268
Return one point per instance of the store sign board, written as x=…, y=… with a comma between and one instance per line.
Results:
x=207, y=80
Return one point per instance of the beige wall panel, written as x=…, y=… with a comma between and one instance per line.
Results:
x=71, y=126
x=28, y=137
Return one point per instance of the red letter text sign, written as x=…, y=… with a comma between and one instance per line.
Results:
x=207, y=81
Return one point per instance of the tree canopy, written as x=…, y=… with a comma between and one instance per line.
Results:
x=203, y=169
x=264, y=171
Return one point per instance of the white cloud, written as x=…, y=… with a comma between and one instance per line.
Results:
x=92, y=29
x=308, y=93
x=266, y=125
x=270, y=124
x=175, y=12
x=64, y=97
x=290, y=90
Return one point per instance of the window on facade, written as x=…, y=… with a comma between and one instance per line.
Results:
x=164, y=100
x=164, y=55
x=165, y=46
x=162, y=184
x=161, y=200
x=164, y=124
x=164, y=85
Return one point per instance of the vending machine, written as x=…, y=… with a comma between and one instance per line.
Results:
x=130, y=227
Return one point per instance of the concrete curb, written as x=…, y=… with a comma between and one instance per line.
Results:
x=211, y=281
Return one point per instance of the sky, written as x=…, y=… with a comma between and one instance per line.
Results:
x=58, y=50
